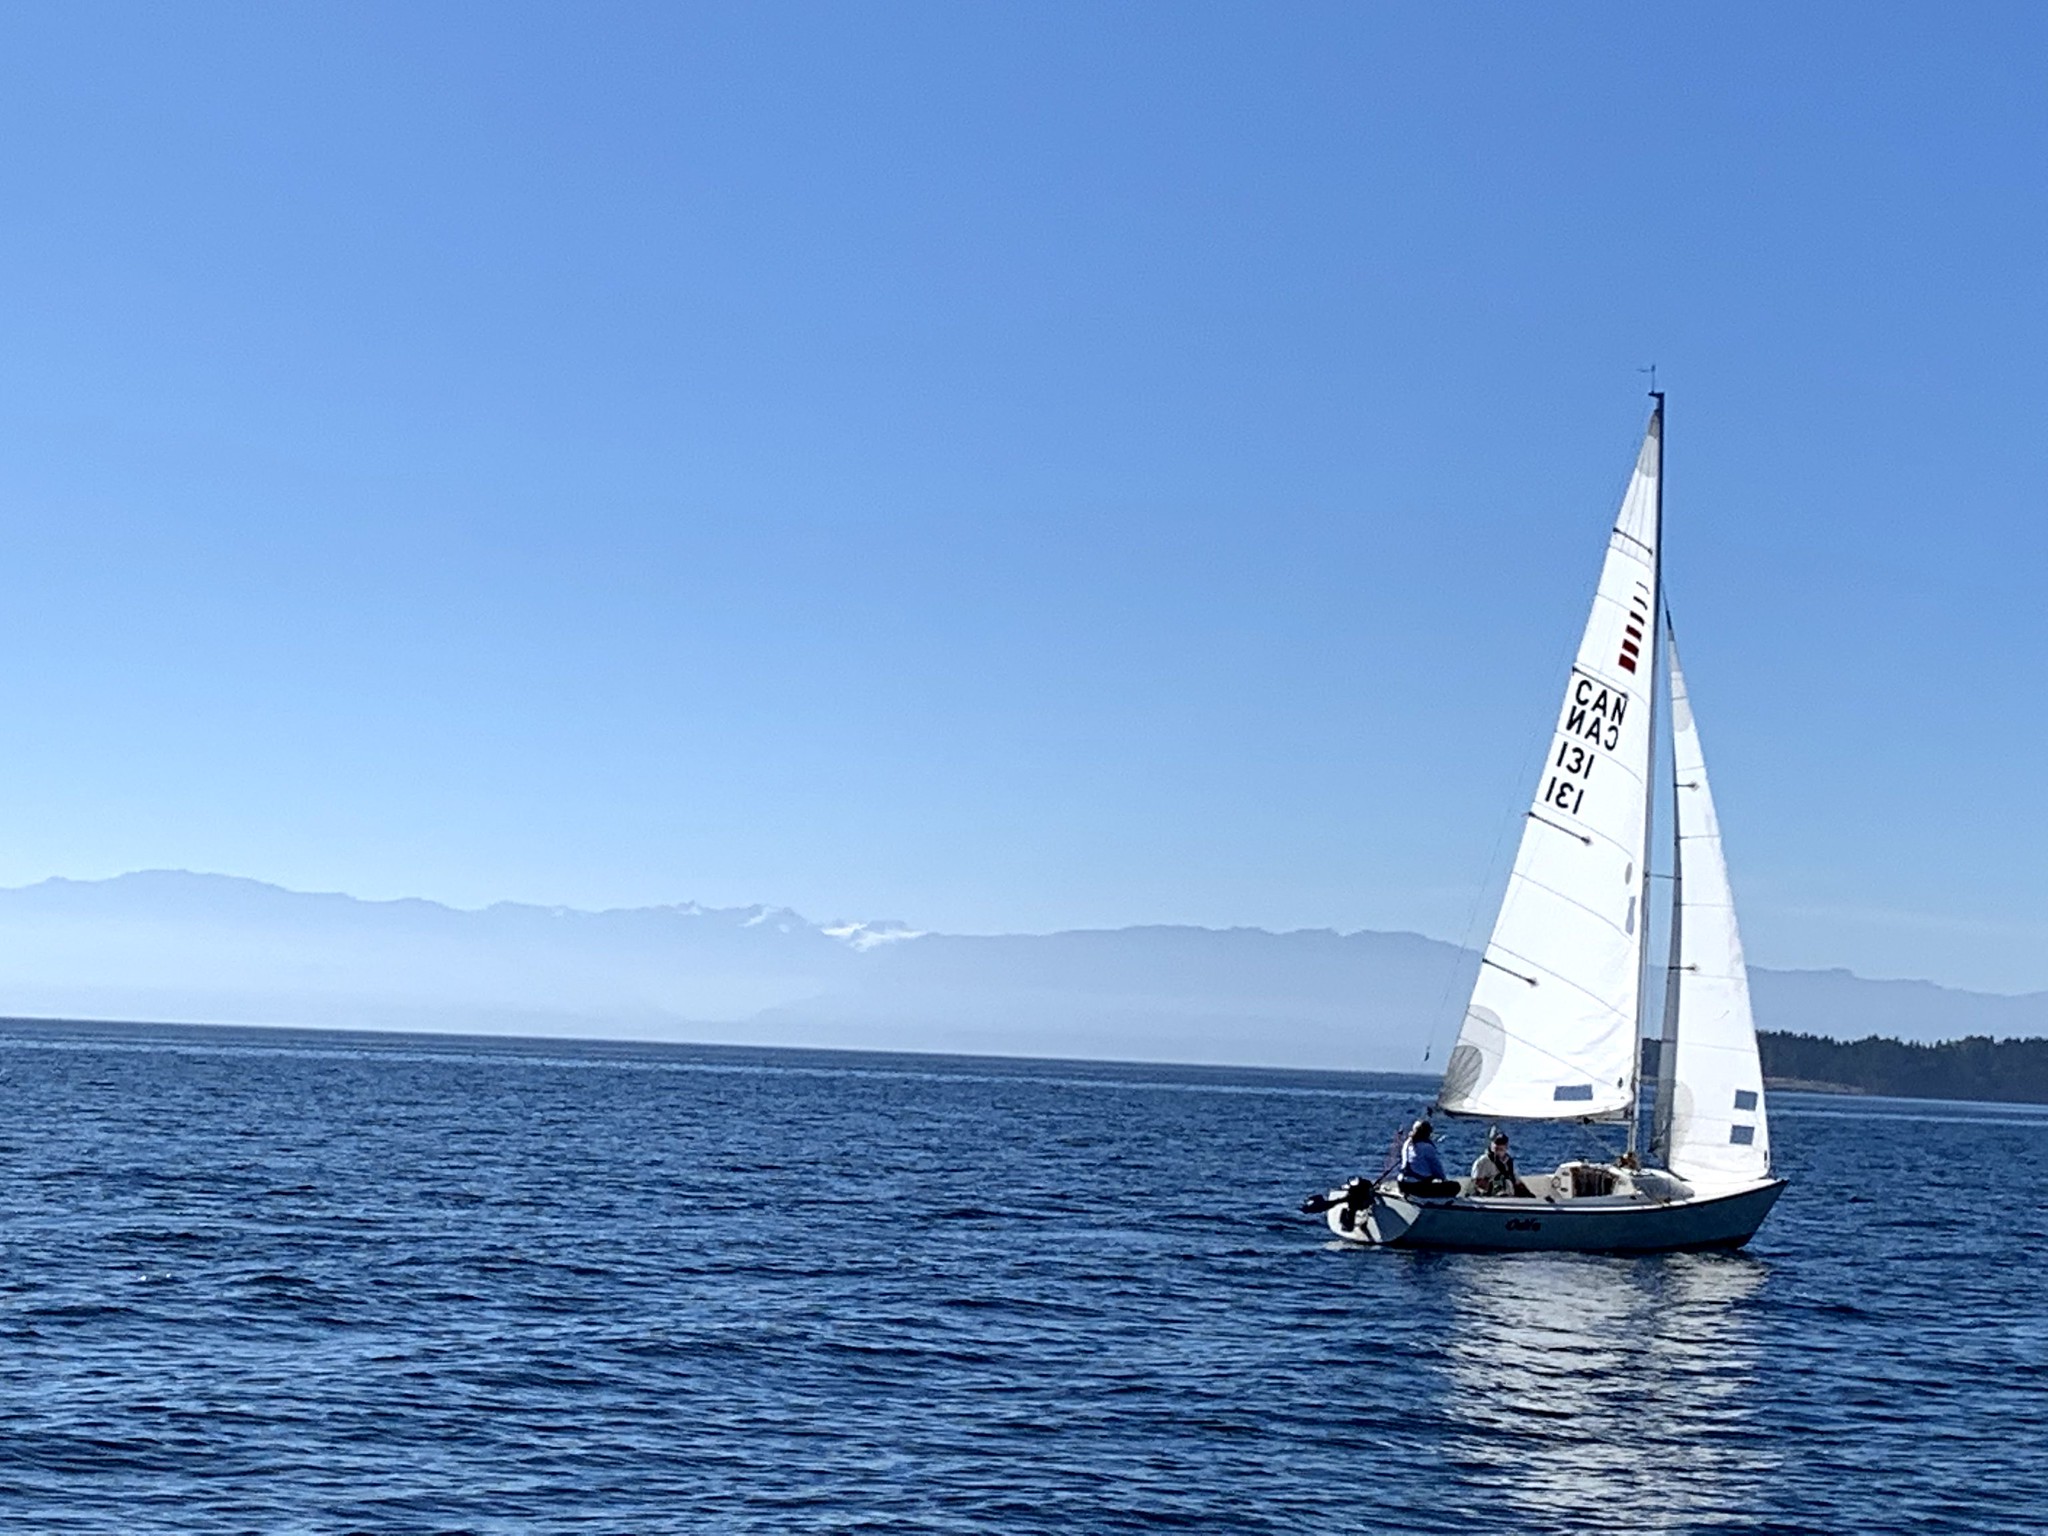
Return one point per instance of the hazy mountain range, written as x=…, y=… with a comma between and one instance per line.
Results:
x=177, y=947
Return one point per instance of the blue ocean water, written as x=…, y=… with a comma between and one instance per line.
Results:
x=257, y=1281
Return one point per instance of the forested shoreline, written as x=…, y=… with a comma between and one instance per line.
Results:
x=2010, y=1071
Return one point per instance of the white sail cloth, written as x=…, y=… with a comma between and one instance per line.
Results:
x=1710, y=1125
x=1551, y=1029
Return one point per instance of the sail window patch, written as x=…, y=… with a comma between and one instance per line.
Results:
x=1570, y=1092
x=1745, y=1098
x=1741, y=1135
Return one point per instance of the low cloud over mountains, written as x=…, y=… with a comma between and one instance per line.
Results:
x=177, y=947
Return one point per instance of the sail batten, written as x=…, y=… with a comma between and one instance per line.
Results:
x=1574, y=911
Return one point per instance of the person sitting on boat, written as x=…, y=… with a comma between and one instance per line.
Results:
x=1422, y=1165
x=1494, y=1173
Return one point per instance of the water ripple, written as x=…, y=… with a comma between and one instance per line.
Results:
x=320, y=1282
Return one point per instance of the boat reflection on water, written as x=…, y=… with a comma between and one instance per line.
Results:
x=1622, y=1390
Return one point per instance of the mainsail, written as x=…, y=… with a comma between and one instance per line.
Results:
x=1710, y=1126
x=1551, y=1030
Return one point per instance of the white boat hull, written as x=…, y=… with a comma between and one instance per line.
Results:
x=1612, y=1224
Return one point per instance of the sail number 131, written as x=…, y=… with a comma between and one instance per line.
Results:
x=1591, y=725
x=1566, y=788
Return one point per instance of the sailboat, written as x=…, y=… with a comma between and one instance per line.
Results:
x=1553, y=1027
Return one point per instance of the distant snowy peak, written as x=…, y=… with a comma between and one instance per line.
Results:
x=781, y=919
x=859, y=936
x=863, y=937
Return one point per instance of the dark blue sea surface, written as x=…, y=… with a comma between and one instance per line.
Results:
x=258, y=1281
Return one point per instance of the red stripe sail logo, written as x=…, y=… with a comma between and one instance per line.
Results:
x=1632, y=633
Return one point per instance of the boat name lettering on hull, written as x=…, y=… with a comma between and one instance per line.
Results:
x=1525, y=1224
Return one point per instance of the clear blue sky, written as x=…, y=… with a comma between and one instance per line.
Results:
x=1018, y=466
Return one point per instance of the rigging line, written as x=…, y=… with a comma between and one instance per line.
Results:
x=1586, y=1129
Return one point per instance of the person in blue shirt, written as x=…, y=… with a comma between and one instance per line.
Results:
x=1422, y=1166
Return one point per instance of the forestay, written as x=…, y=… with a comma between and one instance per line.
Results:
x=1551, y=1029
x=1710, y=1126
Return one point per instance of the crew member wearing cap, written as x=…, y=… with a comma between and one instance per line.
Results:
x=1494, y=1173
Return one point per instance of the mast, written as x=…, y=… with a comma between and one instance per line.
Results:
x=1674, y=962
x=1635, y=1058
